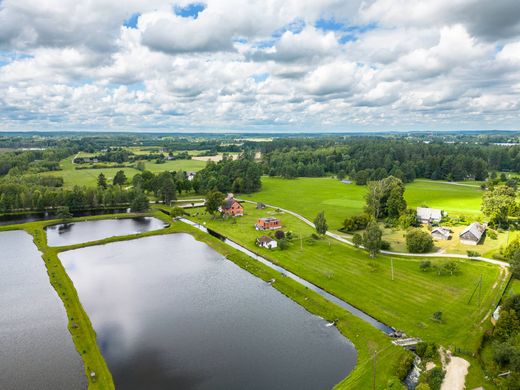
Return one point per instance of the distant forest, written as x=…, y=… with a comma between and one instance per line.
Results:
x=374, y=158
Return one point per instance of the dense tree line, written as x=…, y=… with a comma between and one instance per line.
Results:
x=239, y=176
x=19, y=194
x=32, y=161
x=505, y=342
x=374, y=158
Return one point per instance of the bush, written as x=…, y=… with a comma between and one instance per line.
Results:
x=473, y=253
x=289, y=235
x=357, y=222
x=315, y=237
x=437, y=316
x=385, y=245
x=283, y=244
x=279, y=234
x=425, y=265
x=357, y=239
x=403, y=366
x=433, y=378
x=426, y=350
x=491, y=234
x=418, y=241
x=178, y=212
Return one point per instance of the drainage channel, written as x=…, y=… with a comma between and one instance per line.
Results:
x=332, y=298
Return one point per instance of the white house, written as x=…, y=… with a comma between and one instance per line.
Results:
x=428, y=215
x=266, y=242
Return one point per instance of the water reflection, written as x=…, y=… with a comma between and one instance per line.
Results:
x=170, y=312
x=36, y=350
x=79, y=232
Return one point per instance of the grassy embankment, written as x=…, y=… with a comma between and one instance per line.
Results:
x=88, y=177
x=407, y=302
x=340, y=200
x=366, y=339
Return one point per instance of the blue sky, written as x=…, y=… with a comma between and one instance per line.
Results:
x=272, y=66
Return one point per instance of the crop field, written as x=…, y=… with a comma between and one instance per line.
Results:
x=88, y=177
x=407, y=302
x=308, y=196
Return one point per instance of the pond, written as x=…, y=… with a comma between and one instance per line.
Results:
x=36, y=349
x=170, y=312
x=80, y=232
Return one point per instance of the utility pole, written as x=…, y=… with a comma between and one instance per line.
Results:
x=374, y=366
x=479, y=289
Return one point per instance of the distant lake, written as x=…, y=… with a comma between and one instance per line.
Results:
x=80, y=232
x=171, y=313
x=36, y=349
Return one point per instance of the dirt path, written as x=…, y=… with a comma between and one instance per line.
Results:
x=456, y=371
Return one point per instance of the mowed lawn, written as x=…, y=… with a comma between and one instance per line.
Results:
x=407, y=302
x=88, y=177
x=308, y=196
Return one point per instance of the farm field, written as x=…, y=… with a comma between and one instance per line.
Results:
x=88, y=177
x=308, y=196
x=407, y=302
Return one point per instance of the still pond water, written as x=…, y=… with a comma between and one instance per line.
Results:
x=36, y=350
x=170, y=312
x=80, y=232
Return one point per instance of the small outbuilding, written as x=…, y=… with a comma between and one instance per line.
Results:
x=428, y=215
x=473, y=233
x=268, y=224
x=260, y=206
x=440, y=233
x=266, y=242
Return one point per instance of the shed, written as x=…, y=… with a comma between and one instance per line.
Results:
x=440, y=233
x=473, y=233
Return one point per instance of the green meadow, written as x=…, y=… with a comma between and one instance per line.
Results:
x=407, y=302
x=88, y=177
x=308, y=196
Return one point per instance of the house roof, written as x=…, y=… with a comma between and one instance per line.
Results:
x=264, y=239
x=428, y=213
x=228, y=203
x=475, y=231
x=269, y=219
x=441, y=230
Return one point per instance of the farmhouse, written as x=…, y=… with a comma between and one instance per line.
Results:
x=472, y=234
x=232, y=207
x=427, y=215
x=268, y=224
x=441, y=233
x=266, y=242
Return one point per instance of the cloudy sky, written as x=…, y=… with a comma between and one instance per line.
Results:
x=270, y=65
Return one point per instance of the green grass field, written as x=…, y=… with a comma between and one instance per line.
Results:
x=88, y=177
x=407, y=302
x=308, y=196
